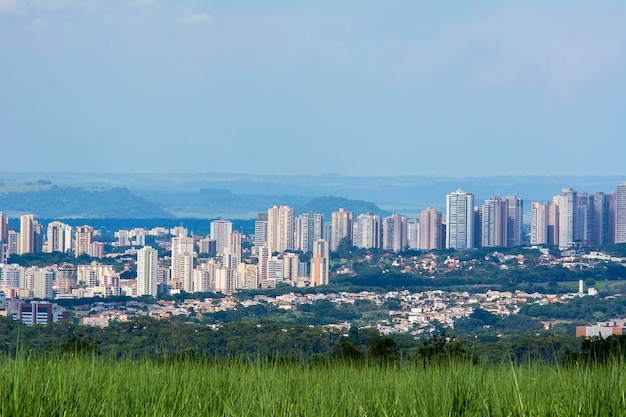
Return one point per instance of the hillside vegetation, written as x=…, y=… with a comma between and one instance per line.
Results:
x=52, y=201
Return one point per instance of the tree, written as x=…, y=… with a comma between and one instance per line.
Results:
x=383, y=349
x=347, y=350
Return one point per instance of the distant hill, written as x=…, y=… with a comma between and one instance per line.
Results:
x=211, y=203
x=51, y=201
x=328, y=204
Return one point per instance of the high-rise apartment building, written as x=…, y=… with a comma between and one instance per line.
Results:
x=4, y=234
x=220, y=232
x=620, y=213
x=260, y=231
x=515, y=221
x=430, y=229
x=584, y=218
x=183, y=255
x=320, y=263
x=539, y=223
x=367, y=231
x=495, y=218
x=147, y=271
x=309, y=228
x=27, y=233
x=460, y=220
x=280, y=228
x=59, y=237
x=341, y=227
x=84, y=238
x=601, y=230
x=234, y=250
x=413, y=233
x=394, y=233
x=567, y=201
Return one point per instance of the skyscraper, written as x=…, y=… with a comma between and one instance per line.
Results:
x=515, y=221
x=4, y=235
x=84, y=237
x=341, y=226
x=460, y=220
x=495, y=222
x=430, y=229
x=567, y=217
x=309, y=227
x=260, y=231
x=147, y=266
x=413, y=233
x=220, y=232
x=59, y=237
x=601, y=220
x=280, y=228
x=320, y=263
x=620, y=213
x=27, y=234
x=539, y=215
x=368, y=233
x=394, y=233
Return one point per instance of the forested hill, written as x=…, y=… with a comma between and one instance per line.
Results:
x=329, y=204
x=79, y=202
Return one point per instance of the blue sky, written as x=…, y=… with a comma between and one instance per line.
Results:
x=348, y=87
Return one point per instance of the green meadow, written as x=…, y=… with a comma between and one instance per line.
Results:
x=82, y=385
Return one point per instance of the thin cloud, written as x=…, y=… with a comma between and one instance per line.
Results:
x=38, y=23
x=195, y=18
x=14, y=7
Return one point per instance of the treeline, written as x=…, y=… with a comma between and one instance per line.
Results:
x=146, y=338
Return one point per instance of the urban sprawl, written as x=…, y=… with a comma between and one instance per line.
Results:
x=295, y=251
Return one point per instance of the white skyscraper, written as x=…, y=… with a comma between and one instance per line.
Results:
x=309, y=227
x=27, y=234
x=59, y=237
x=460, y=220
x=413, y=233
x=367, y=231
x=220, y=232
x=280, y=228
x=620, y=213
x=147, y=271
x=567, y=218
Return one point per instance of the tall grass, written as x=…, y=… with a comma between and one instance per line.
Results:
x=85, y=386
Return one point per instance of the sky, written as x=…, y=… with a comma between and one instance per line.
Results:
x=279, y=87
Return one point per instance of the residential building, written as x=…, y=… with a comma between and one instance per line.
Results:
x=280, y=228
x=341, y=227
x=220, y=232
x=84, y=238
x=495, y=220
x=460, y=220
x=394, y=233
x=430, y=229
x=368, y=232
x=320, y=263
x=147, y=266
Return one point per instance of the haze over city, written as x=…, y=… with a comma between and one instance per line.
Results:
x=355, y=88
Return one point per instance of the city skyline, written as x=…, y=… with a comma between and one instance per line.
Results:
x=147, y=84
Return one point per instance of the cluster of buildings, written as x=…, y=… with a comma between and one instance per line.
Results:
x=59, y=237
x=579, y=219
x=295, y=250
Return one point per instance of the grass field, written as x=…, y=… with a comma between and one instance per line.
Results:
x=84, y=386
